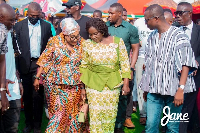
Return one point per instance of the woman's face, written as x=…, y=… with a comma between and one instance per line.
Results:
x=72, y=38
x=95, y=35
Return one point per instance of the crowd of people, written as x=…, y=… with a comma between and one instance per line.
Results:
x=91, y=74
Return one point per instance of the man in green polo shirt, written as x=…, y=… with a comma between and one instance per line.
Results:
x=120, y=28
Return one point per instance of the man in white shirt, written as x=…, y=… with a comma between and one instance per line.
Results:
x=10, y=119
x=143, y=32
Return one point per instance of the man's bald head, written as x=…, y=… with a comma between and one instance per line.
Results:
x=186, y=6
x=34, y=6
x=7, y=15
x=34, y=12
x=155, y=10
x=168, y=17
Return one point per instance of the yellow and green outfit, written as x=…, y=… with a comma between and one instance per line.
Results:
x=103, y=67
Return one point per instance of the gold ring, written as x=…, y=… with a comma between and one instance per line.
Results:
x=8, y=107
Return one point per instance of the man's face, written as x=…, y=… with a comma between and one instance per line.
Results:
x=124, y=16
x=8, y=20
x=96, y=15
x=34, y=14
x=71, y=9
x=183, y=15
x=149, y=20
x=114, y=15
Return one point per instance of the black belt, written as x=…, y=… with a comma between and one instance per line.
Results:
x=34, y=59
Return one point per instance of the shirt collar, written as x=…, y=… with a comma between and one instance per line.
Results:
x=38, y=23
x=190, y=26
x=122, y=24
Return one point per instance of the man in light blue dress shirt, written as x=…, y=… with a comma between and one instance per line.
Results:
x=32, y=36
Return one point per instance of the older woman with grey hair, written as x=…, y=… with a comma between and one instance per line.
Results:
x=60, y=63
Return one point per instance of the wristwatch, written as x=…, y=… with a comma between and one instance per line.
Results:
x=132, y=69
x=181, y=86
x=2, y=89
x=38, y=78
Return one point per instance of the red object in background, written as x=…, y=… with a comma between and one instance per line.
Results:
x=134, y=6
x=198, y=104
x=166, y=4
x=196, y=7
x=22, y=104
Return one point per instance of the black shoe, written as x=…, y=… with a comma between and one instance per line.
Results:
x=118, y=130
x=27, y=129
x=37, y=130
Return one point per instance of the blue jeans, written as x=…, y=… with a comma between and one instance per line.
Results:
x=155, y=104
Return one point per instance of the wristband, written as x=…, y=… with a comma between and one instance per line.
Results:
x=2, y=89
x=132, y=69
x=38, y=78
x=19, y=80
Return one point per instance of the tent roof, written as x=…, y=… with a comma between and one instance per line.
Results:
x=167, y=3
x=197, y=3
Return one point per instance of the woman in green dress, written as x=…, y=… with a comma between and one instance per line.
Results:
x=105, y=67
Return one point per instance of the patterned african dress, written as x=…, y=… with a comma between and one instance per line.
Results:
x=62, y=85
x=103, y=67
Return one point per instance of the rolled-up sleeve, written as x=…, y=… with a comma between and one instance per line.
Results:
x=184, y=55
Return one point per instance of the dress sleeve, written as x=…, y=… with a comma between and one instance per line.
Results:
x=184, y=55
x=85, y=56
x=124, y=60
x=46, y=60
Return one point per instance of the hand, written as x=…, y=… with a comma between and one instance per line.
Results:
x=143, y=67
x=4, y=102
x=179, y=97
x=83, y=94
x=145, y=96
x=21, y=89
x=194, y=73
x=36, y=84
x=125, y=90
x=7, y=89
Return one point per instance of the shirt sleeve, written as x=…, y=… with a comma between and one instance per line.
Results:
x=184, y=55
x=3, y=42
x=124, y=60
x=46, y=60
x=134, y=37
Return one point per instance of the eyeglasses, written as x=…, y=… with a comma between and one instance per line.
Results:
x=146, y=20
x=72, y=38
x=180, y=13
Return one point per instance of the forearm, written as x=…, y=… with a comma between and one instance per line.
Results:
x=126, y=81
x=184, y=74
x=2, y=71
x=135, y=49
x=39, y=71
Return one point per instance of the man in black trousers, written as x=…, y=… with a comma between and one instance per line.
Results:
x=32, y=36
x=184, y=18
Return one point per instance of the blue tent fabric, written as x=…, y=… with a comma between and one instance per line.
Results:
x=88, y=8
